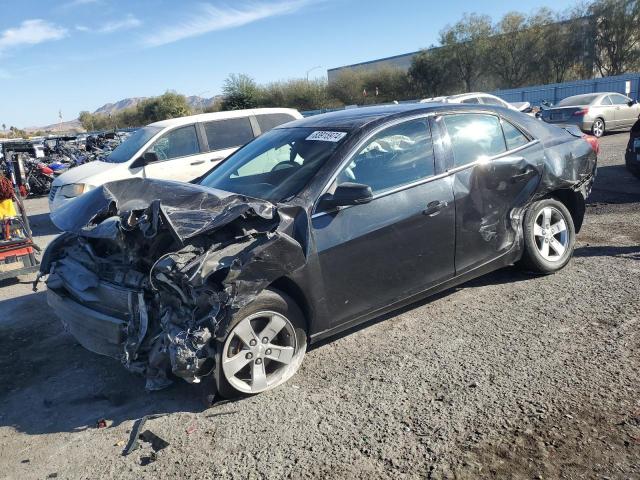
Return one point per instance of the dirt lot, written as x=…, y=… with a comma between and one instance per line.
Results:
x=510, y=376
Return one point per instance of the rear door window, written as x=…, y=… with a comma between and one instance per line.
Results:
x=619, y=99
x=270, y=121
x=605, y=101
x=228, y=133
x=180, y=142
x=474, y=136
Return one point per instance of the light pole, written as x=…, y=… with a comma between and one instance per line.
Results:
x=311, y=70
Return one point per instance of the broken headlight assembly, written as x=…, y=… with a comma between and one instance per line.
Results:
x=73, y=190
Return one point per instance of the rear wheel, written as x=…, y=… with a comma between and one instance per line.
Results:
x=549, y=237
x=265, y=346
x=598, y=127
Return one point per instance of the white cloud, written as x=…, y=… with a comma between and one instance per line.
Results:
x=126, y=23
x=31, y=32
x=210, y=18
x=78, y=3
x=82, y=28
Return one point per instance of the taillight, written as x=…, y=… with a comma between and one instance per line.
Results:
x=581, y=113
x=593, y=141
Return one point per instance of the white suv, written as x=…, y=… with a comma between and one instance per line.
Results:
x=177, y=149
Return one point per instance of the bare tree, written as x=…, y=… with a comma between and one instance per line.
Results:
x=616, y=25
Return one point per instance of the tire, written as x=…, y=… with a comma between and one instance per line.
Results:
x=598, y=128
x=632, y=166
x=539, y=239
x=270, y=307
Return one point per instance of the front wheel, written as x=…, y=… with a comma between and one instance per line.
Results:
x=265, y=346
x=549, y=237
x=598, y=128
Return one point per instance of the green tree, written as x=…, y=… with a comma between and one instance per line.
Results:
x=296, y=93
x=562, y=51
x=516, y=50
x=433, y=74
x=466, y=47
x=168, y=105
x=616, y=26
x=240, y=92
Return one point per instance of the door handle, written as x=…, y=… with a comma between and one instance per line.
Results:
x=215, y=159
x=433, y=208
x=199, y=162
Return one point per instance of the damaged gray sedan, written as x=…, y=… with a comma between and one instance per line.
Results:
x=312, y=228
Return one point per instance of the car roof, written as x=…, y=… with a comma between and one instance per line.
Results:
x=358, y=117
x=594, y=95
x=207, y=117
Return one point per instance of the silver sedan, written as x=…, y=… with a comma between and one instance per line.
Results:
x=595, y=112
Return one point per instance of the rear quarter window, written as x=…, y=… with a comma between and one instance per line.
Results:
x=270, y=121
x=228, y=133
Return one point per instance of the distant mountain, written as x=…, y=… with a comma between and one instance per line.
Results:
x=121, y=105
x=195, y=102
x=61, y=127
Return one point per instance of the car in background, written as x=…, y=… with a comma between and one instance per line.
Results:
x=632, y=154
x=316, y=226
x=596, y=113
x=478, y=98
x=180, y=149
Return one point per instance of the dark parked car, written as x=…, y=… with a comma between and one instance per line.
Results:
x=632, y=154
x=313, y=227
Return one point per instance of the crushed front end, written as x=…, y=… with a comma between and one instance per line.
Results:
x=151, y=272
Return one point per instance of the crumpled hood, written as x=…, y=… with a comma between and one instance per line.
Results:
x=189, y=209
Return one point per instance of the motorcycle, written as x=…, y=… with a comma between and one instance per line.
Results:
x=39, y=177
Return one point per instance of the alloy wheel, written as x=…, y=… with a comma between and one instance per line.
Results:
x=550, y=232
x=598, y=128
x=260, y=352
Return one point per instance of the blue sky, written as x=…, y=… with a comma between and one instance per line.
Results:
x=73, y=55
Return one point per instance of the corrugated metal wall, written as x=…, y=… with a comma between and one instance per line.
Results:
x=557, y=91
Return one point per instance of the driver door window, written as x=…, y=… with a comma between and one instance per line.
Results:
x=399, y=155
x=181, y=142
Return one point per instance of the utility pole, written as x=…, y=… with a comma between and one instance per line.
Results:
x=311, y=70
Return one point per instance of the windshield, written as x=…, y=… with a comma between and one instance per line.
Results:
x=276, y=165
x=131, y=145
x=578, y=100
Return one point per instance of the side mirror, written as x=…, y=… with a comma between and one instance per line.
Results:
x=347, y=194
x=145, y=159
x=631, y=103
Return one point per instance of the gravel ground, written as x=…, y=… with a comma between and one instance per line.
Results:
x=509, y=376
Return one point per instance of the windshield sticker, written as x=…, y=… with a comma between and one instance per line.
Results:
x=322, y=136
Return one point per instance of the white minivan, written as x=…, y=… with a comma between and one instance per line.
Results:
x=179, y=149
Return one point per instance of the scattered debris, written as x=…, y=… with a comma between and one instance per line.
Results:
x=146, y=460
x=156, y=442
x=191, y=428
x=135, y=433
x=102, y=423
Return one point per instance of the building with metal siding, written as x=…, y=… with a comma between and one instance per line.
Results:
x=401, y=62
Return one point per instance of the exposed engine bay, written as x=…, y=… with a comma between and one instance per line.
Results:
x=151, y=272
